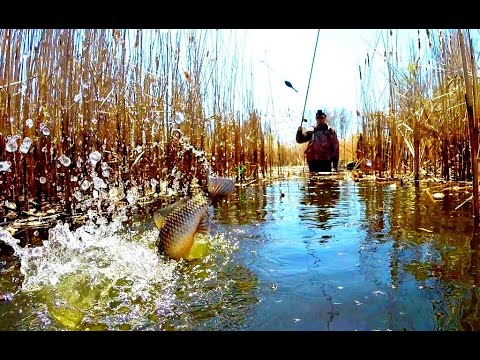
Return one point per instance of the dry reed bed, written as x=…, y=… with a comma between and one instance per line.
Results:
x=156, y=104
x=426, y=125
x=149, y=104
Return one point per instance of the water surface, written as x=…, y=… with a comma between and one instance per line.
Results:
x=317, y=253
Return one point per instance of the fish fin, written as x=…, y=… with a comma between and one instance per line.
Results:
x=203, y=226
x=220, y=186
x=160, y=215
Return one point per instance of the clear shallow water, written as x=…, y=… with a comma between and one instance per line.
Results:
x=294, y=254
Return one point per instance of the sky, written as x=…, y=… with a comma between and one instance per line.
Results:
x=287, y=54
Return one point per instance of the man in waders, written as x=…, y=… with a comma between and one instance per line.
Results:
x=323, y=147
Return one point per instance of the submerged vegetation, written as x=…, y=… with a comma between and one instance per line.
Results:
x=123, y=113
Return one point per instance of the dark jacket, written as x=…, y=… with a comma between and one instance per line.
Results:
x=320, y=132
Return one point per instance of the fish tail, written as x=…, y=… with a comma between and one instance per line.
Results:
x=220, y=186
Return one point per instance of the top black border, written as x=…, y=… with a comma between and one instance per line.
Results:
x=238, y=15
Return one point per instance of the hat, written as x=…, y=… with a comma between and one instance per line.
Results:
x=320, y=113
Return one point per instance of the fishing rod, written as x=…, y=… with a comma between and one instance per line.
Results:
x=309, y=78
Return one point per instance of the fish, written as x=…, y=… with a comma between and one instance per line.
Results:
x=181, y=221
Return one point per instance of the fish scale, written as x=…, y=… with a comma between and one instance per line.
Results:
x=180, y=222
x=176, y=236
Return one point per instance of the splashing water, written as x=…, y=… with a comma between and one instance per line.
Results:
x=107, y=276
x=27, y=142
x=94, y=157
x=29, y=123
x=5, y=165
x=101, y=276
x=11, y=143
x=65, y=160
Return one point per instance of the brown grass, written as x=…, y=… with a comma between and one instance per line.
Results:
x=153, y=104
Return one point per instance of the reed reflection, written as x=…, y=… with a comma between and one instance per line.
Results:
x=320, y=196
x=246, y=206
x=470, y=316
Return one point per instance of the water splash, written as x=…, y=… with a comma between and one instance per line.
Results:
x=5, y=165
x=29, y=123
x=11, y=143
x=106, y=274
x=65, y=160
x=27, y=142
x=102, y=276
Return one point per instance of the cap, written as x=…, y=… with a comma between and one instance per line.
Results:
x=320, y=113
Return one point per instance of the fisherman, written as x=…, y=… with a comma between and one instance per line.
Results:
x=323, y=148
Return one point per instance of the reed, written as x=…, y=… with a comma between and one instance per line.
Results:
x=424, y=130
x=122, y=112
x=128, y=110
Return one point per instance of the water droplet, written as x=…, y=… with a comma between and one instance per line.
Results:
x=10, y=119
x=36, y=233
x=42, y=180
x=132, y=195
x=65, y=161
x=12, y=145
x=77, y=97
x=25, y=145
x=45, y=131
x=94, y=121
x=98, y=183
x=73, y=178
x=106, y=173
x=179, y=118
x=5, y=165
x=85, y=184
x=95, y=157
x=29, y=123
x=44, y=149
x=138, y=149
x=78, y=195
x=4, y=235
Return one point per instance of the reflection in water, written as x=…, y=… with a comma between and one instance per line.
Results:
x=322, y=193
x=470, y=314
x=246, y=206
x=426, y=239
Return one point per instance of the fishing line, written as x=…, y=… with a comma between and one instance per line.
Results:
x=310, y=78
x=272, y=69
